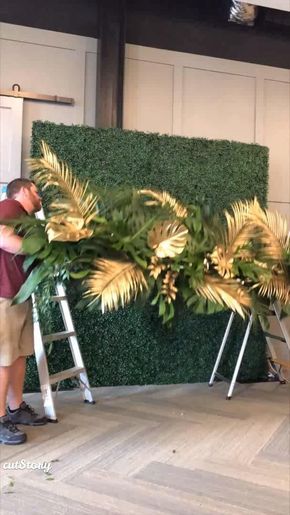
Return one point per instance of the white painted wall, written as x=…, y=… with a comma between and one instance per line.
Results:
x=167, y=92
x=11, y=113
x=198, y=96
x=283, y=5
x=52, y=63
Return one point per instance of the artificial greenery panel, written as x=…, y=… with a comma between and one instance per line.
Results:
x=223, y=171
x=132, y=346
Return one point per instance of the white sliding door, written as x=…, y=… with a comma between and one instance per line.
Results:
x=11, y=110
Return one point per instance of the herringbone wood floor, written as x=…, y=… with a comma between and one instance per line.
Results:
x=178, y=449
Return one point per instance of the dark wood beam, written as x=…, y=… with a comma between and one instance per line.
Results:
x=69, y=16
x=111, y=57
x=194, y=26
x=206, y=37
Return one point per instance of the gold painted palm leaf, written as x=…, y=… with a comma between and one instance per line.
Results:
x=228, y=293
x=116, y=283
x=168, y=239
x=164, y=199
x=276, y=286
x=239, y=230
x=274, y=231
x=76, y=199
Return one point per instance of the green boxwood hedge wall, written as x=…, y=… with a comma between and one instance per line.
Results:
x=131, y=346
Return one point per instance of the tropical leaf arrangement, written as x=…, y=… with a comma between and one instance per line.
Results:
x=121, y=245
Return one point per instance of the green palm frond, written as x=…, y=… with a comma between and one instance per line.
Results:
x=116, y=283
x=164, y=199
x=76, y=199
x=228, y=294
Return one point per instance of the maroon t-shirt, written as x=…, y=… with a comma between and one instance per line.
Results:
x=12, y=275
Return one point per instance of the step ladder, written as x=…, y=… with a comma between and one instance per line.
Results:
x=78, y=371
x=276, y=363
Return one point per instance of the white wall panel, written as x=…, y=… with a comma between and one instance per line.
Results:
x=215, y=98
x=11, y=115
x=281, y=207
x=53, y=63
x=277, y=137
x=167, y=92
x=284, y=5
x=218, y=105
x=148, y=96
x=90, y=89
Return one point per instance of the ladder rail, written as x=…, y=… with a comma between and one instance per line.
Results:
x=69, y=325
x=41, y=361
x=73, y=342
x=240, y=357
x=221, y=350
x=78, y=371
x=282, y=324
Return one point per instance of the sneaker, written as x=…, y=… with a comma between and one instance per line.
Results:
x=26, y=415
x=9, y=432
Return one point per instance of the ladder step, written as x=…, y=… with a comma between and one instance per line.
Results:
x=62, y=335
x=274, y=337
x=282, y=363
x=271, y=313
x=58, y=298
x=66, y=374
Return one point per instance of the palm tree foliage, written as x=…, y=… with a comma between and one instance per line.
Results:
x=123, y=244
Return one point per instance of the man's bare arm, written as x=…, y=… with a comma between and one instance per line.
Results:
x=9, y=241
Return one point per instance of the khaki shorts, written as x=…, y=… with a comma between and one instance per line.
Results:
x=16, y=331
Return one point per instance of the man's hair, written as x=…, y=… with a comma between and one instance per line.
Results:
x=15, y=186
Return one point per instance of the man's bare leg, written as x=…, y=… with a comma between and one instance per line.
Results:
x=4, y=382
x=16, y=382
x=25, y=415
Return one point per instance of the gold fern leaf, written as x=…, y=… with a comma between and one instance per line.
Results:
x=52, y=172
x=115, y=283
x=163, y=198
x=239, y=229
x=168, y=239
x=273, y=227
x=238, y=232
x=274, y=286
x=228, y=293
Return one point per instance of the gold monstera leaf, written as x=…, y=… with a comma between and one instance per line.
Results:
x=164, y=199
x=228, y=293
x=116, y=283
x=168, y=239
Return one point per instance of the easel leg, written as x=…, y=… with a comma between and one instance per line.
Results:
x=219, y=356
x=240, y=357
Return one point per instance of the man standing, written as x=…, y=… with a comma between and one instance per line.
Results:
x=16, y=327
